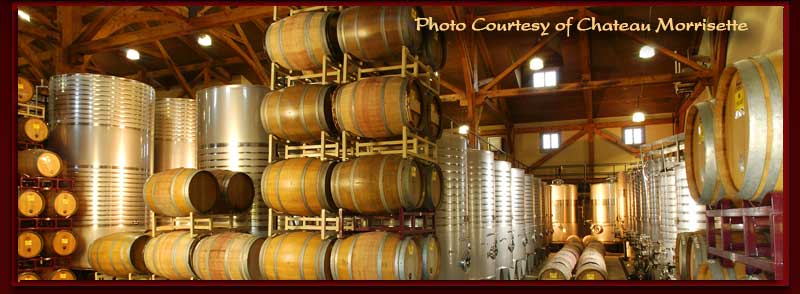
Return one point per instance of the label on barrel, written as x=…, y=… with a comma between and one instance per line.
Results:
x=31, y=198
x=63, y=275
x=738, y=103
x=590, y=276
x=64, y=241
x=28, y=243
x=553, y=275
x=413, y=172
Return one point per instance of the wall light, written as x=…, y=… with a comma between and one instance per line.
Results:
x=204, y=40
x=463, y=129
x=638, y=117
x=132, y=54
x=24, y=15
x=647, y=52
x=536, y=63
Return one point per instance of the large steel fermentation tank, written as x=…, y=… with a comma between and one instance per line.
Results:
x=547, y=213
x=502, y=219
x=621, y=201
x=175, y=135
x=527, y=200
x=481, y=213
x=537, y=234
x=230, y=136
x=564, y=202
x=604, y=211
x=451, y=229
x=102, y=126
x=520, y=237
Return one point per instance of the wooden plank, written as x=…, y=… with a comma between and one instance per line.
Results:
x=40, y=18
x=493, y=106
x=451, y=97
x=37, y=66
x=525, y=57
x=253, y=56
x=175, y=70
x=594, y=85
x=254, y=65
x=616, y=141
x=659, y=48
x=528, y=13
x=37, y=31
x=553, y=153
x=220, y=19
x=581, y=126
x=90, y=30
x=451, y=87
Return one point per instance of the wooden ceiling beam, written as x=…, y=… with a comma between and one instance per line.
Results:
x=528, y=13
x=38, y=31
x=659, y=48
x=594, y=85
x=220, y=19
x=255, y=65
x=37, y=66
x=611, y=138
x=451, y=87
x=90, y=30
x=525, y=57
x=175, y=70
x=581, y=126
x=38, y=17
x=553, y=153
x=494, y=107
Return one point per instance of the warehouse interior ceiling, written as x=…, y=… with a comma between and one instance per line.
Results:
x=600, y=73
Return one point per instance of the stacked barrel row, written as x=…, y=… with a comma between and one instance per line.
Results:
x=45, y=205
x=561, y=265
x=179, y=255
x=375, y=34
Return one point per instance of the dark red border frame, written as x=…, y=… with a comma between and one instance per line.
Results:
x=7, y=179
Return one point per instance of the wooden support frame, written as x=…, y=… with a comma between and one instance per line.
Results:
x=254, y=64
x=553, y=153
x=580, y=126
x=37, y=66
x=525, y=57
x=611, y=138
x=91, y=30
x=175, y=70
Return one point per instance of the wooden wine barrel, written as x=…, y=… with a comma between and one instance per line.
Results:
x=378, y=107
x=298, y=186
x=61, y=242
x=118, y=254
x=432, y=118
x=432, y=185
x=592, y=265
x=682, y=255
x=378, y=33
x=303, y=41
x=180, y=191
x=236, y=192
x=30, y=203
x=32, y=129
x=377, y=184
x=39, y=163
x=431, y=259
x=588, y=239
x=62, y=274
x=227, y=256
x=296, y=256
x=434, y=49
x=698, y=253
x=376, y=256
x=702, y=169
x=748, y=124
x=169, y=255
x=60, y=203
x=29, y=244
x=714, y=270
x=559, y=266
x=299, y=113
x=28, y=276
x=25, y=90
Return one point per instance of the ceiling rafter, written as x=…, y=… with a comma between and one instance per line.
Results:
x=553, y=153
x=525, y=57
x=613, y=139
x=90, y=30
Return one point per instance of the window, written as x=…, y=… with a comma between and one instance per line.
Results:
x=548, y=78
x=495, y=143
x=633, y=135
x=550, y=141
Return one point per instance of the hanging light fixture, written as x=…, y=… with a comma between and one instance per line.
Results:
x=638, y=115
x=647, y=51
x=24, y=15
x=204, y=40
x=536, y=63
x=463, y=129
x=132, y=54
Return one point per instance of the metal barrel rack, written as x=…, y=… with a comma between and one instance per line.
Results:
x=191, y=223
x=408, y=145
x=757, y=256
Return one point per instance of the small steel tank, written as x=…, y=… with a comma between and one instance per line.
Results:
x=503, y=219
x=175, y=136
x=604, y=211
x=451, y=229
x=564, y=202
x=520, y=240
x=480, y=212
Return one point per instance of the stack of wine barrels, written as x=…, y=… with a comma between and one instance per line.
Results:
x=119, y=254
x=561, y=265
x=592, y=264
x=296, y=256
x=181, y=191
x=376, y=256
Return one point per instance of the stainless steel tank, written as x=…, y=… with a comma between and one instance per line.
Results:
x=547, y=216
x=604, y=210
x=230, y=136
x=102, y=126
x=537, y=234
x=451, y=228
x=520, y=237
x=564, y=201
x=527, y=200
x=175, y=135
x=480, y=210
x=502, y=219
x=621, y=201
x=691, y=215
x=668, y=203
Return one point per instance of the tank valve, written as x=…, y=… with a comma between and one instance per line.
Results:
x=464, y=263
x=596, y=229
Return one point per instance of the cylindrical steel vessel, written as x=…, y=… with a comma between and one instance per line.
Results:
x=519, y=237
x=230, y=136
x=227, y=256
x=621, y=202
x=299, y=113
x=39, y=163
x=298, y=186
x=118, y=254
x=527, y=217
x=502, y=218
x=547, y=217
x=378, y=33
x=564, y=200
x=175, y=135
x=748, y=125
x=32, y=129
x=690, y=214
x=303, y=41
x=603, y=211
x=537, y=235
x=481, y=214
x=379, y=107
x=451, y=229
x=236, y=192
x=169, y=255
x=102, y=126
x=181, y=191
x=377, y=184
x=376, y=256
x=296, y=256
